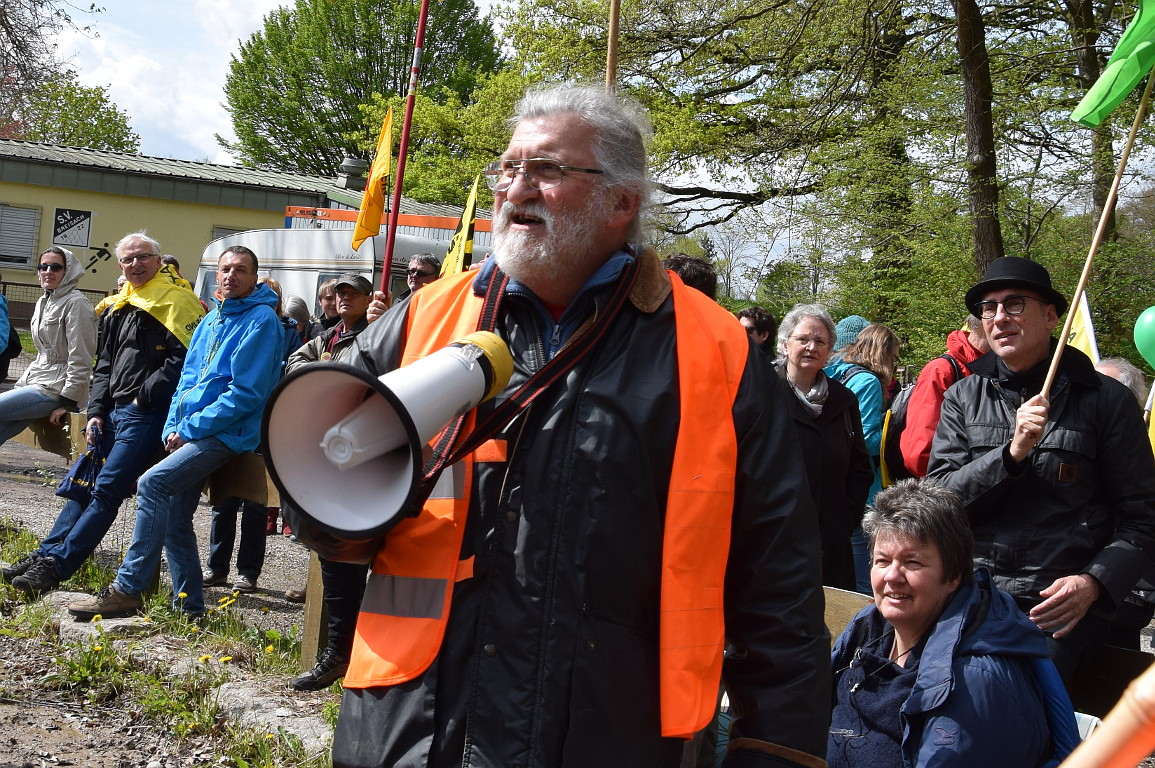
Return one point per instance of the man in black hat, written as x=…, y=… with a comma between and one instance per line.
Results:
x=1060, y=492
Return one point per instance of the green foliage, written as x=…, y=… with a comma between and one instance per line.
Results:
x=184, y=705
x=62, y=111
x=451, y=139
x=99, y=670
x=294, y=89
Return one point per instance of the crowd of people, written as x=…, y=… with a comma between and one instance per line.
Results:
x=661, y=493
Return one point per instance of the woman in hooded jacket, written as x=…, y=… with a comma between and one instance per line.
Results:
x=64, y=332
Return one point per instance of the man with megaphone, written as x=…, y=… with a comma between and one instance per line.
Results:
x=631, y=502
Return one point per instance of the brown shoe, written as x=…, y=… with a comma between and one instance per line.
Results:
x=111, y=603
x=295, y=595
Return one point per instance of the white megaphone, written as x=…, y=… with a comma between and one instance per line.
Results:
x=345, y=448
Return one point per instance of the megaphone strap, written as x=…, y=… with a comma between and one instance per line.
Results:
x=444, y=453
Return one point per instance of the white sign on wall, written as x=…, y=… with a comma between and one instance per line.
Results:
x=71, y=227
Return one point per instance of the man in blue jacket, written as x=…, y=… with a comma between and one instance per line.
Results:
x=232, y=364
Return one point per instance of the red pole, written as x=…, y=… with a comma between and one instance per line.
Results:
x=403, y=147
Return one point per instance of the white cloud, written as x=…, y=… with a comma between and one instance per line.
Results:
x=166, y=68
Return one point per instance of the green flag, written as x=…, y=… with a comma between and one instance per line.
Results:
x=1131, y=60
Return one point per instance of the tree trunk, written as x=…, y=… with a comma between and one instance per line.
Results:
x=982, y=180
x=1084, y=30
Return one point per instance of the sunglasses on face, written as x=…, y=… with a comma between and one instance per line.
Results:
x=417, y=273
x=49, y=267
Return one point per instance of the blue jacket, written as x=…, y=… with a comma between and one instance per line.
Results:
x=233, y=363
x=986, y=693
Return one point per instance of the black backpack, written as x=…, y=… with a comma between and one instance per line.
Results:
x=893, y=422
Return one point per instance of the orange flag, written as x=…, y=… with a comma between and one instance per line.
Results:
x=373, y=201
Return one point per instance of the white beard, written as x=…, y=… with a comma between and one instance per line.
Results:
x=564, y=247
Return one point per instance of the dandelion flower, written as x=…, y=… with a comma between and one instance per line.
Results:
x=182, y=595
x=204, y=658
x=264, y=609
x=97, y=617
x=268, y=735
x=268, y=649
x=224, y=659
x=98, y=647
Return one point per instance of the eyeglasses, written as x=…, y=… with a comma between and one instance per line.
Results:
x=806, y=341
x=1012, y=305
x=126, y=260
x=540, y=173
x=44, y=267
x=417, y=273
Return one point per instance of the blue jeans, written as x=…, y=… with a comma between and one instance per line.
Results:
x=20, y=407
x=132, y=443
x=223, y=532
x=166, y=500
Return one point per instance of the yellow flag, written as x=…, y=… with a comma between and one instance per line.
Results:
x=1082, y=336
x=460, y=254
x=373, y=201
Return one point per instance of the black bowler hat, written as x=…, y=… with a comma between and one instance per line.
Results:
x=1016, y=272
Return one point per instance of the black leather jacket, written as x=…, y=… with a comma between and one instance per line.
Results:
x=550, y=656
x=1082, y=502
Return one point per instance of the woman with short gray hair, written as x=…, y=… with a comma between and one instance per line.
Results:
x=829, y=436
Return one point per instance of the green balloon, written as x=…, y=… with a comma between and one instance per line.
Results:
x=1145, y=335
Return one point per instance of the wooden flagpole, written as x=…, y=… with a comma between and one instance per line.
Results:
x=1097, y=240
x=403, y=147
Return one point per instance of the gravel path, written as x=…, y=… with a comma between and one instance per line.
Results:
x=28, y=478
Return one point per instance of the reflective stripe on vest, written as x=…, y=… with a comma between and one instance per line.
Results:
x=406, y=605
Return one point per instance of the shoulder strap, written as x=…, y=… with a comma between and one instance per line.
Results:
x=853, y=371
x=451, y=446
x=954, y=366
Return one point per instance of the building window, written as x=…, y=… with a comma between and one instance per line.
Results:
x=19, y=233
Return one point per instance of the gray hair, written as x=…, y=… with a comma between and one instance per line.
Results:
x=1129, y=376
x=796, y=315
x=296, y=308
x=620, y=124
x=132, y=237
x=428, y=259
x=926, y=512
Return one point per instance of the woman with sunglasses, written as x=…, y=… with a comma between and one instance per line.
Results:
x=64, y=332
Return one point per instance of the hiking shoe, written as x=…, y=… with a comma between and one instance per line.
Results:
x=213, y=579
x=111, y=603
x=40, y=578
x=330, y=668
x=20, y=567
x=244, y=584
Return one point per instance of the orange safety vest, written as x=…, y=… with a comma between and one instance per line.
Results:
x=406, y=605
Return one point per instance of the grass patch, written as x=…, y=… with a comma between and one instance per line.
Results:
x=169, y=675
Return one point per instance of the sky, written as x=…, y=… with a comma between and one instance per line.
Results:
x=164, y=63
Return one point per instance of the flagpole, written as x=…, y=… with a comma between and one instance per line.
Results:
x=403, y=147
x=612, y=48
x=1100, y=231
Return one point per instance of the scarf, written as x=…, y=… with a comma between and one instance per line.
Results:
x=168, y=297
x=813, y=400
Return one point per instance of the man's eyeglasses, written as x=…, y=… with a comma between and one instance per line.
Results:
x=417, y=273
x=806, y=341
x=1012, y=305
x=126, y=260
x=540, y=173
x=49, y=267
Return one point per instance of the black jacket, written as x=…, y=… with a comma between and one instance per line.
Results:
x=550, y=657
x=139, y=359
x=1082, y=502
x=840, y=473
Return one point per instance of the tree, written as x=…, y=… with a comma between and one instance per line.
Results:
x=294, y=89
x=27, y=55
x=62, y=111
